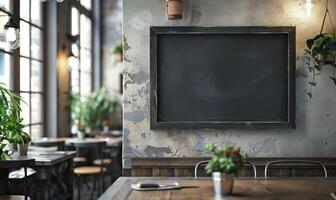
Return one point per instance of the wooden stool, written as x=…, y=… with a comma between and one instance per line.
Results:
x=96, y=171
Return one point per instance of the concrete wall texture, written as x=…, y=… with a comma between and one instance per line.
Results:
x=315, y=135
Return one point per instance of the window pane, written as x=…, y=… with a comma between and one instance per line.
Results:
x=36, y=12
x=36, y=76
x=24, y=74
x=36, y=40
x=25, y=108
x=85, y=84
x=74, y=49
x=85, y=62
x=24, y=9
x=26, y=129
x=36, y=131
x=24, y=38
x=5, y=69
x=5, y=4
x=74, y=21
x=85, y=32
x=36, y=108
x=75, y=81
x=86, y=4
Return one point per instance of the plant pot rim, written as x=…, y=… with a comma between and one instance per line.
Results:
x=223, y=173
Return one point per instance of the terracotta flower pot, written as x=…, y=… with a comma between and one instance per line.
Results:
x=174, y=9
x=223, y=183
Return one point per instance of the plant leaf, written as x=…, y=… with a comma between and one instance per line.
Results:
x=310, y=43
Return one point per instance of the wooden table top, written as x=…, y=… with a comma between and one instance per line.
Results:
x=45, y=158
x=300, y=188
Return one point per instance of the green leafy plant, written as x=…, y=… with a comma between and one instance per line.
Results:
x=92, y=112
x=11, y=126
x=226, y=159
x=321, y=50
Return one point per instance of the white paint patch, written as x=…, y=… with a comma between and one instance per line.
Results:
x=141, y=20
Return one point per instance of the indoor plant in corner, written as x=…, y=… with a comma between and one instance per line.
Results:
x=224, y=166
x=11, y=126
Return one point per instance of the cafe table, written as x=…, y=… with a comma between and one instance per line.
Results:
x=54, y=177
x=270, y=188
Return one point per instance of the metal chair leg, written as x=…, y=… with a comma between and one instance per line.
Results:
x=94, y=186
x=78, y=187
x=99, y=183
x=103, y=180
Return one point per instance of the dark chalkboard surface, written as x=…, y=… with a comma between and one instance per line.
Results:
x=222, y=77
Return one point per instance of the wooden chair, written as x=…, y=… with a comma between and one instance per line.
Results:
x=244, y=163
x=106, y=161
x=311, y=162
x=15, y=164
x=96, y=171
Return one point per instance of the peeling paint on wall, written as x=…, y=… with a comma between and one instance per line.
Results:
x=157, y=151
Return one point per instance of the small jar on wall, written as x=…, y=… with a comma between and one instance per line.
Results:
x=174, y=9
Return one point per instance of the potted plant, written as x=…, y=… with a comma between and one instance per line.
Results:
x=224, y=166
x=11, y=124
x=91, y=113
x=77, y=107
x=320, y=52
x=22, y=142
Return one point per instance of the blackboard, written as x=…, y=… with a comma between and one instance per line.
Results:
x=222, y=77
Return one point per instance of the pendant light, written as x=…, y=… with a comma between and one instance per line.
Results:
x=12, y=30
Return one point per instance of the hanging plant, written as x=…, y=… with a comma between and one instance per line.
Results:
x=321, y=52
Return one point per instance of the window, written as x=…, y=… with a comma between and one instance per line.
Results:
x=31, y=66
x=81, y=64
x=6, y=55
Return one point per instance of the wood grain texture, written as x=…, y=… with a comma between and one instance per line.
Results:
x=184, y=167
x=316, y=188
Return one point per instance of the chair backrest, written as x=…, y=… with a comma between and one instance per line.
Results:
x=13, y=164
x=59, y=144
x=88, y=144
x=246, y=163
x=316, y=163
x=97, y=145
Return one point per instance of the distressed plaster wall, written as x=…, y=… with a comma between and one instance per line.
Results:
x=315, y=134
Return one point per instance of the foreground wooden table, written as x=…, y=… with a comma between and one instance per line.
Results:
x=243, y=189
